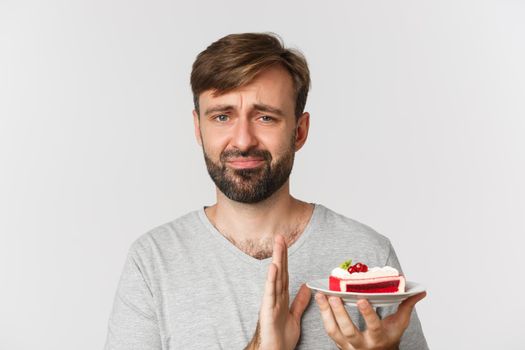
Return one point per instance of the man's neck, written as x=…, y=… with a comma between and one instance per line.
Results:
x=251, y=227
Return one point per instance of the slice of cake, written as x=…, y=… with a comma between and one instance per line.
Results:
x=359, y=278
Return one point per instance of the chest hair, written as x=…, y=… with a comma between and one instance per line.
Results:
x=263, y=248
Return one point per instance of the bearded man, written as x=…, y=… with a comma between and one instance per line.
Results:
x=222, y=276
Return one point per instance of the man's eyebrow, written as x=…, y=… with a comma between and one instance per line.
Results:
x=266, y=108
x=258, y=106
x=218, y=108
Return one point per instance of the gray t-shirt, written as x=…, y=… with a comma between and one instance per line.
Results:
x=185, y=286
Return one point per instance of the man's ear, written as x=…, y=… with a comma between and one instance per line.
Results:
x=301, y=130
x=196, y=125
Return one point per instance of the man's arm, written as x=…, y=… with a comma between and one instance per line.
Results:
x=133, y=323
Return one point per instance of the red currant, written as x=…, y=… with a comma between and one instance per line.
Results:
x=359, y=267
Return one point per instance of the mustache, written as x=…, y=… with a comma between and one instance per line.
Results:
x=252, y=153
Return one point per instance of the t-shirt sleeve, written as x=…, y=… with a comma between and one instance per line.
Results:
x=413, y=338
x=133, y=322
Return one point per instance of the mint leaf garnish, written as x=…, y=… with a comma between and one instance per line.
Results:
x=346, y=264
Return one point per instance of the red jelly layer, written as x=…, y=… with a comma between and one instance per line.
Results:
x=390, y=286
x=383, y=287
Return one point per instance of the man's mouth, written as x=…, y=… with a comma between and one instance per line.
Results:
x=245, y=163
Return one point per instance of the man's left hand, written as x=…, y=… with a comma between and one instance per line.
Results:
x=379, y=334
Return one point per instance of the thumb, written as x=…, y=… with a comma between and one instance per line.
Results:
x=405, y=308
x=409, y=303
x=301, y=301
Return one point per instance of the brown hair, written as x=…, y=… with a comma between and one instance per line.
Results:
x=236, y=59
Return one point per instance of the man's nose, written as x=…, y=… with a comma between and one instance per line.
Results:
x=244, y=137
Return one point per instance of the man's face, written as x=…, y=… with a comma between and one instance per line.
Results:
x=248, y=136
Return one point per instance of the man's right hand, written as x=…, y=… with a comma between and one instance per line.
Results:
x=279, y=324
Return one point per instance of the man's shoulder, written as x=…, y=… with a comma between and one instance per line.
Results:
x=184, y=227
x=337, y=224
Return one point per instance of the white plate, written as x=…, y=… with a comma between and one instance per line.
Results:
x=376, y=299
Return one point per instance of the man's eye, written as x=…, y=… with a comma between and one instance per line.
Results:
x=266, y=118
x=222, y=117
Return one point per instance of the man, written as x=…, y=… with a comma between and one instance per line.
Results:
x=221, y=277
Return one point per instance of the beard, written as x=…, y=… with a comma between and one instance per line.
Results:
x=251, y=185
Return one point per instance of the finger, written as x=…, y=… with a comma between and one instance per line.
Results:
x=277, y=259
x=284, y=275
x=329, y=323
x=269, y=288
x=373, y=323
x=300, y=302
x=404, y=311
x=347, y=327
x=285, y=265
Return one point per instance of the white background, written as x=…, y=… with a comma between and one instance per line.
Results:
x=417, y=129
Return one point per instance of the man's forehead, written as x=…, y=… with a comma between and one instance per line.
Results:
x=272, y=87
x=241, y=95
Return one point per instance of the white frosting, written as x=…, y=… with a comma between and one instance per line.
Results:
x=374, y=272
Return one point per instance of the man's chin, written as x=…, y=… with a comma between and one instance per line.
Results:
x=244, y=191
x=251, y=176
x=243, y=187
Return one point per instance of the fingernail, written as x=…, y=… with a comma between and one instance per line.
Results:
x=333, y=300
